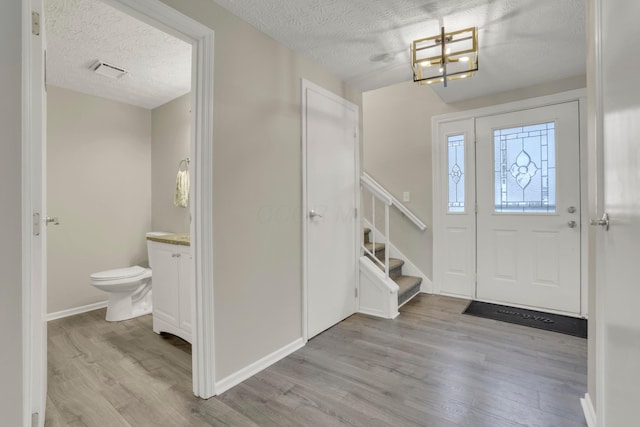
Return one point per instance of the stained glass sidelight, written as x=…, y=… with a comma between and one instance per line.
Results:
x=525, y=168
x=455, y=145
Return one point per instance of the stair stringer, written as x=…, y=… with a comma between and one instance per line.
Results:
x=378, y=294
x=408, y=268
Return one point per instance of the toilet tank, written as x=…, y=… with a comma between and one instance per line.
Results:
x=153, y=233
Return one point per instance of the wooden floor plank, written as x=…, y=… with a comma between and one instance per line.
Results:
x=432, y=366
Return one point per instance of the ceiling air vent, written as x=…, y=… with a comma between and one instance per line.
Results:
x=108, y=70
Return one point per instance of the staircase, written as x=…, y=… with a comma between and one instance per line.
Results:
x=409, y=285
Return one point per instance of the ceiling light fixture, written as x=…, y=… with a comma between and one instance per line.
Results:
x=452, y=55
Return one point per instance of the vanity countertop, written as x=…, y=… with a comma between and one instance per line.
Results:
x=172, y=239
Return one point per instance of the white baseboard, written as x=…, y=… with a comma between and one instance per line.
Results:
x=76, y=310
x=408, y=268
x=249, y=371
x=589, y=411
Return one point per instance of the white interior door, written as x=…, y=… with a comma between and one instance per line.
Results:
x=617, y=285
x=35, y=173
x=330, y=131
x=528, y=201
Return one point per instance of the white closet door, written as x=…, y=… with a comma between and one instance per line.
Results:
x=331, y=179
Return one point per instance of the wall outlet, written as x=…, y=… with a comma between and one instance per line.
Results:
x=406, y=197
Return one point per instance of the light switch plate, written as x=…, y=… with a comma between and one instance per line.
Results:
x=406, y=197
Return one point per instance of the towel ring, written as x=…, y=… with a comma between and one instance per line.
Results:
x=184, y=162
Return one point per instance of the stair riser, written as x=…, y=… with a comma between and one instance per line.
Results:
x=394, y=273
x=367, y=238
x=410, y=293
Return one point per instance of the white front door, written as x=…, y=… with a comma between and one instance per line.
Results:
x=330, y=131
x=528, y=202
x=618, y=248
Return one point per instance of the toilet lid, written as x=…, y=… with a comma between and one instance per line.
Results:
x=118, y=273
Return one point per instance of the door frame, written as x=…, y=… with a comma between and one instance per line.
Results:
x=167, y=19
x=579, y=95
x=306, y=84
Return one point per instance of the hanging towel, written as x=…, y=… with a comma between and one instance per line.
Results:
x=181, y=198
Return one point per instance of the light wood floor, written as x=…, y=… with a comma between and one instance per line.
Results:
x=432, y=366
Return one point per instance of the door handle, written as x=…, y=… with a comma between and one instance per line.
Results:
x=52, y=220
x=572, y=224
x=313, y=214
x=604, y=221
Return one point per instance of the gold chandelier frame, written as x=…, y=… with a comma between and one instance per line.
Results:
x=445, y=57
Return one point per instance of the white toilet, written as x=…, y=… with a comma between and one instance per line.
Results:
x=129, y=289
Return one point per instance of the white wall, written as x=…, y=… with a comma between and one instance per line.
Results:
x=170, y=136
x=11, y=355
x=257, y=169
x=397, y=151
x=99, y=186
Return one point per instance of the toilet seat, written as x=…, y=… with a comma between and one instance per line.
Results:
x=119, y=274
x=121, y=279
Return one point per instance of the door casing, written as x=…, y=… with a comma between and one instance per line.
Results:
x=155, y=13
x=440, y=122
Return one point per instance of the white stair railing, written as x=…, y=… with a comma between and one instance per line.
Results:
x=386, y=200
x=378, y=193
x=369, y=183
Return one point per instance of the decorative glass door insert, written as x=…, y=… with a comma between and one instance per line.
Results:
x=455, y=155
x=525, y=169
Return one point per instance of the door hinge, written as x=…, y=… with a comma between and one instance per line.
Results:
x=35, y=23
x=35, y=418
x=356, y=212
x=356, y=293
x=476, y=207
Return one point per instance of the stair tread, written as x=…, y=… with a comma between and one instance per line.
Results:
x=407, y=282
x=369, y=246
x=393, y=263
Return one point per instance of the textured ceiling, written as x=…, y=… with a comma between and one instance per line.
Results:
x=79, y=32
x=366, y=42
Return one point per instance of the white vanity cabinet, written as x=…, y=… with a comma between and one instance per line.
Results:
x=171, y=266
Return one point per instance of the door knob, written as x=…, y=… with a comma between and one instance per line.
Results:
x=604, y=221
x=52, y=220
x=572, y=224
x=313, y=214
x=572, y=209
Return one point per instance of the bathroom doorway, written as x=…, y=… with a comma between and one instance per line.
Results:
x=199, y=118
x=118, y=104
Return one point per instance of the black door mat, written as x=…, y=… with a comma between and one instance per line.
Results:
x=535, y=319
